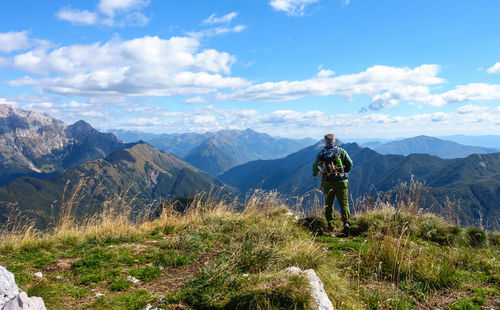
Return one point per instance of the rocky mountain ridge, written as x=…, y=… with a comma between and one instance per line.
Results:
x=36, y=144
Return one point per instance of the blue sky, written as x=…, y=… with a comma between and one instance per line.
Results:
x=295, y=68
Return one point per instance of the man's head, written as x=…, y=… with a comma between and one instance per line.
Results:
x=329, y=138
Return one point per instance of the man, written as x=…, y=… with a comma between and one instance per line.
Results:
x=335, y=167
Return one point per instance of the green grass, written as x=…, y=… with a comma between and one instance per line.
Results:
x=145, y=273
x=217, y=258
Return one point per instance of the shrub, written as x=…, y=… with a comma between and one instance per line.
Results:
x=476, y=237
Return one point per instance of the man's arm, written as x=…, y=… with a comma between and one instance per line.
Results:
x=346, y=161
x=315, y=165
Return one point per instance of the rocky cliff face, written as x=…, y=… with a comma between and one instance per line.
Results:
x=36, y=144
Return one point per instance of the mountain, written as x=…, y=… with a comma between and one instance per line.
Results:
x=129, y=136
x=473, y=181
x=136, y=175
x=430, y=145
x=216, y=152
x=36, y=144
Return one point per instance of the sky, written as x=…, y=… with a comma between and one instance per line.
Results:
x=291, y=68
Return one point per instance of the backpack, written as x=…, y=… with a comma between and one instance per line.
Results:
x=331, y=165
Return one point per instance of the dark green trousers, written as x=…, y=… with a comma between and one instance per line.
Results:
x=339, y=190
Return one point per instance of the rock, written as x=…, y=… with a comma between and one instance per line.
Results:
x=132, y=279
x=23, y=302
x=150, y=307
x=8, y=286
x=321, y=300
x=39, y=275
x=98, y=295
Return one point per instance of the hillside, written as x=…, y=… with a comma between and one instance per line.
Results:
x=430, y=145
x=139, y=174
x=212, y=257
x=470, y=180
x=36, y=144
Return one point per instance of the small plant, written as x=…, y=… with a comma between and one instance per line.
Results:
x=145, y=273
x=120, y=284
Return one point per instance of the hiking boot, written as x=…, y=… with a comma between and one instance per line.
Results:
x=347, y=229
x=330, y=229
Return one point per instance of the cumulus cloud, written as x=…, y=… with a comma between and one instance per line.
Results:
x=144, y=66
x=108, y=12
x=225, y=19
x=76, y=16
x=397, y=83
x=495, y=68
x=13, y=41
x=472, y=92
x=387, y=86
x=292, y=7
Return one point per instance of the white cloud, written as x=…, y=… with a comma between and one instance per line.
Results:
x=108, y=12
x=216, y=31
x=195, y=100
x=495, y=68
x=387, y=87
x=470, y=108
x=144, y=66
x=13, y=41
x=323, y=73
x=77, y=17
x=75, y=105
x=112, y=7
x=212, y=19
x=472, y=92
x=291, y=7
x=5, y=101
x=398, y=83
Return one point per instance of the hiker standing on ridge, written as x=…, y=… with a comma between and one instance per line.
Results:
x=335, y=166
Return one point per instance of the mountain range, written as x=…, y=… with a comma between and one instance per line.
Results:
x=136, y=175
x=36, y=144
x=216, y=152
x=428, y=145
x=43, y=160
x=473, y=182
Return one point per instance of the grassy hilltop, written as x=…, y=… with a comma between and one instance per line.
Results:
x=213, y=257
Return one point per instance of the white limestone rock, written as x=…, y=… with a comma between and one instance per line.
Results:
x=8, y=286
x=23, y=302
x=321, y=300
x=132, y=279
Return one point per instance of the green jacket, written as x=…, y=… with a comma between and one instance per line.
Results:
x=346, y=161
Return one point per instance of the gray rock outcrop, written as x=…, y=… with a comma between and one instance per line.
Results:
x=8, y=286
x=11, y=299
x=23, y=302
x=321, y=300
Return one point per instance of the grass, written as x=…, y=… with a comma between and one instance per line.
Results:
x=213, y=257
